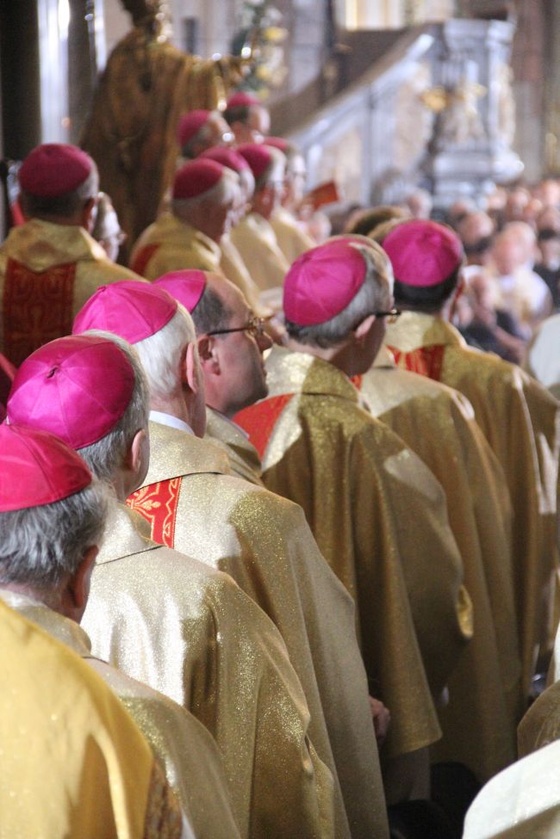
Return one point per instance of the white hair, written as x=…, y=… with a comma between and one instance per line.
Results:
x=161, y=353
x=40, y=545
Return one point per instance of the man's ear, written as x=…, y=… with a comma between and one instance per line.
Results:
x=363, y=328
x=191, y=373
x=137, y=452
x=208, y=353
x=76, y=593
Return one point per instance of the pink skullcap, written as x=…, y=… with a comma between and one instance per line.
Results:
x=190, y=124
x=130, y=309
x=242, y=100
x=196, y=177
x=322, y=282
x=77, y=387
x=185, y=286
x=37, y=468
x=257, y=156
x=423, y=253
x=227, y=157
x=279, y=143
x=54, y=169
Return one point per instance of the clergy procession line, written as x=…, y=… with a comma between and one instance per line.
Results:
x=279, y=526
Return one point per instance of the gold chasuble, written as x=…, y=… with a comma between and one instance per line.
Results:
x=243, y=457
x=255, y=240
x=519, y=418
x=74, y=766
x=522, y=802
x=47, y=272
x=263, y=541
x=232, y=265
x=184, y=747
x=191, y=633
x=379, y=518
x=170, y=244
x=292, y=239
x=485, y=687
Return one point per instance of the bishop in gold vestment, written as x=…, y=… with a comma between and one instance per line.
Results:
x=192, y=634
x=485, y=687
x=520, y=421
x=184, y=747
x=378, y=516
x=60, y=724
x=170, y=244
x=47, y=272
x=193, y=503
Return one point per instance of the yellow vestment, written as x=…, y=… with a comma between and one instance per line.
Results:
x=47, y=272
x=292, y=240
x=519, y=418
x=74, y=766
x=170, y=244
x=485, y=687
x=184, y=747
x=265, y=544
x=190, y=632
x=243, y=456
x=255, y=240
x=379, y=519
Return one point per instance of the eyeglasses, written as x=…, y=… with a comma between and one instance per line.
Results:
x=255, y=328
x=391, y=315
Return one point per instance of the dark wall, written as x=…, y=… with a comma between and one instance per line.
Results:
x=19, y=77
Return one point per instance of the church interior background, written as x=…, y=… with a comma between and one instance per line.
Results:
x=380, y=95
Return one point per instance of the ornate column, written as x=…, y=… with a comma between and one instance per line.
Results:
x=471, y=146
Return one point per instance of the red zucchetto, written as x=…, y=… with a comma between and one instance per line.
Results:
x=423, y=253
x=54, y=169
x=185, y=286
x=322, y=282
x=37, y=468
x=57, y=389
x=129, y=309
x=196, y=177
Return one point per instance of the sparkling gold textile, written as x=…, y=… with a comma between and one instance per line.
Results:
x=485, y=687
x=265, y=544
x=522, y=802
x=170, y=244
x=379, y=518
x=190, y=632
x=184, y=747
x=520, y=421
x=74, y=766
x=255, y=240
x=292, y=240
x=234, y=268
x=243, y=457
x=42, y=247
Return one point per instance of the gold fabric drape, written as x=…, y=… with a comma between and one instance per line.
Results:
x=74, y=765
x=379, y=519
x=519, y=418
x=265, y=544
x=190, y=632
x=485, y=687
x=184, y=747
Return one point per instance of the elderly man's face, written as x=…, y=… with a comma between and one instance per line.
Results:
x=240, y=354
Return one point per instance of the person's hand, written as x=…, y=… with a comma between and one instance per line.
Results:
x=381, y=717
